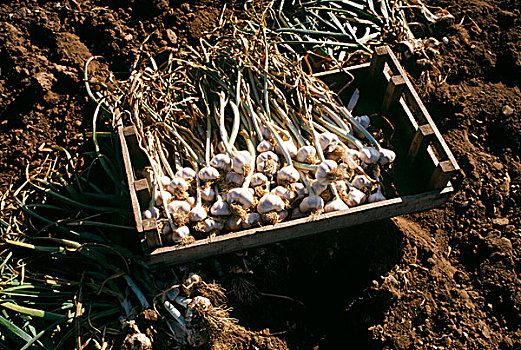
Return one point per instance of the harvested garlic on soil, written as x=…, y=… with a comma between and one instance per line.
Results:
x=287, y=175
x=311, y=203
x=270, y=202
x=307, y=154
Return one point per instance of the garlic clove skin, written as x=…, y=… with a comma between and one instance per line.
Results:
x=178, y=184
x=283, y=193
x=296, y=214
x=270, y=202
x=234, y=178
x=325, y=171
x=287, y=174
x=328, y=141
x=264, y=146
x=208, y=194
x=311, y=203
x=267, y=161
x=351, y=157
x=221, y=161
x=220, y=208
x=289, y=146
x=318, y=187
x=363, y=120
x=361, y=182
x=386, y=156
x=283, y=215
x=191, y=201
x=165, y=181
x=252, y=219
x=377, y=196
x=210, y=225
x=186, y=173
x=197, y=214
x=369, y=155
x=335, y=205
x=242, y=196
x=341, y=186
x=160, y=195
x=241, y=162
x=233, y=223
x=306, y=154
x=355, y=197
x=208, y=174
x=150, y=213
x=178, y=207
x=258, y=179
x=300, y=190
x=180, y=233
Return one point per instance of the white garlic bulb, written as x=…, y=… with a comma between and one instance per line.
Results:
x=208, y=194
x=150, y=213
x=287, y=174
x=361, y=182
x=311, y=203
x=377, y=196
x=300, y=190
x=241, y=161
x=386, y=156
x=180, y=233
x=165, y=181
x=351, y=157
x=328, y=141
x=335, y=205
x=258, y=179
x=242, y=196
x=162, y=195
x=210, y=225
x=355, y=197
x=266, y=158
x=264, y=146
x=270, y=202
x=186, y=173
x=233, y=223
x=191, y=200
x=209, y=173
x=220, y=208
x=178, y=207
x=221, y=161
x=325, y=172
x=306, y=154
x=251, y=219
x=289, y=146
x=178, y=185
x=363, y=120
x=318, y=187
x=234, y=178
x=283, y=193
x=198, y=213
x=369, y=155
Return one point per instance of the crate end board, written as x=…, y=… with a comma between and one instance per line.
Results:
x=299, y=228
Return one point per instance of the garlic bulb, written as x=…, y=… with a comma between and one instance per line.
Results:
x=289, y=146
x=282, y=215
x=361, y=182
x=270, y=202
x=326, y=171
x=191, y=200
x=296, y=214
x=258, y=179
x=386, y=156
x=208, y=194
x=178, y=185
x=210, y=225
x=234, y=178
x=264, y=146
x=334, y=205
x=186, y=173
x=287, y=174
x=328, y=141
x=233, y=223
x=267, y=162
x=180, y=233
x=283, y=193
x=363, y=120
x=178, y=207
x=369, y=155
x=209, y=173
x=355, y=197
x=251, y=219
x=300, y=190
x=166, y=229
x=341, y=186
x=351, y=157
x=318, y=187
x=162, y=195
x=198, y=213
x=377, y=196
x=150, y=213
x=241, y=162
x=221, y=161
x=242, y=196
x=165, y=181
x=311, y=203
x=220, y=208
x=307, y=154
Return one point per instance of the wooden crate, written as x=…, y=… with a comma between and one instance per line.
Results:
x=422, y=171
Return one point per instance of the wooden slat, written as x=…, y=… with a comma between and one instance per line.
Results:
x=441, y=176
x=142, y=189
x=299, y=228
x=424, y=134
x=393, y=93
x=377, y=62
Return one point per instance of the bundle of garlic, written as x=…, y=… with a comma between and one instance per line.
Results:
x=238, y=135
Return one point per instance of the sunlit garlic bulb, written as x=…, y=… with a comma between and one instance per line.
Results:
x=165, y=180
x=287, y=174
x=198, y=213
x=258, y=179
x=307, y=154
x=191, y=200
x=241, y=162
x=162, y=196
x=351, y=157
x=251, y=219
x=233, y=223
x=178, y=185
x=241, y=196
x=369, y=155
x=377, y=196
x=150, y=213
x=220, y=208
x=179, y=207
x=284, y=193
x=355, y=197
x=264, y=146
x=268, y=163
x=208, y=174
x=326, y=171
x=300, y=190
x=186, y=173
x=180, y=233
x=361, y=182
x=328, y=141
x=289, y=146
x=296, y=214
x=234, y=178
x=210, y=225
x=341, y=186
x=363, y=120
x=270, y=202
x=335, y=205
x=208, y=194
x=386, y=156
x=221, y=161
x=311, y=203
x=318, y=187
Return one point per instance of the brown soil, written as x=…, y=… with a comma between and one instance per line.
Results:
x=446, y=278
